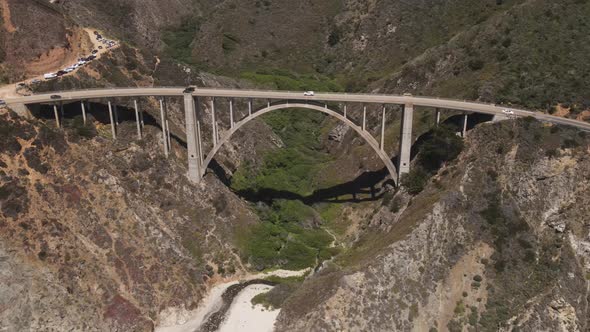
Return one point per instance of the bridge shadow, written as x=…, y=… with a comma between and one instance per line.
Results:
x=99, y=112
x=368, y=186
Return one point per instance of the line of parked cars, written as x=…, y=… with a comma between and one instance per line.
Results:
x=84, y=60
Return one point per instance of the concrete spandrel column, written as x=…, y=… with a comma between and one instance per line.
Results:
x=192, y=140
x=250, y=107
x=345, y=111
x=83, y=112
x=56, y=113
x=213, y=122
x=200, y=144
x=231, y=113
x=137, y=119
x=464, y=132
x=383, y=129
x=364, y=118
x=437, y=117
x=112, y=118
x=405, y=141
x=163, y=123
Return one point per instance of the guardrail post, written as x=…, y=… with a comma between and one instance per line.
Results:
x=137, y=119
x=192, y=140
x=163, y=122
x=405, y=140
x=83, y=112
x=383, y=130
x=111, y=117
x=56, y=113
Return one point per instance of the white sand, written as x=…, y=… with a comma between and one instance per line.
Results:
x=181, y=320
x=244, y=317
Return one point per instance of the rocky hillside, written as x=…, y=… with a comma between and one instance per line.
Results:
x=97, y=236
x=497, y=241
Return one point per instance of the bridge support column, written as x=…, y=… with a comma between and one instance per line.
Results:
x=364, y=117
x=56, y=113
x=231, y=113
x=383, y=130
x=345, y=111
x=437, y=117
x=464, y=132
x=250, y=107
x=405, y=146
x=112, y=118
x=164, y=120
x=83, y=112
x=137, y=119
x=213, y=122
x=192, y=139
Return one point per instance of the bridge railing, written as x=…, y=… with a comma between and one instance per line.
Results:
x=293, y=92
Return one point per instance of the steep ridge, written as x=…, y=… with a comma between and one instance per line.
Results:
x=102, y=237
x=497, y=241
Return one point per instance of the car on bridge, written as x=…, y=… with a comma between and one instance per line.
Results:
x=508, y=112
x=55, y=97
x=309, y=93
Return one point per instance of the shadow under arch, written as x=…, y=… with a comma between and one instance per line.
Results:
x=299, y=104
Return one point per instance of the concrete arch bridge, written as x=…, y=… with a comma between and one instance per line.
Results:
x=199, y=160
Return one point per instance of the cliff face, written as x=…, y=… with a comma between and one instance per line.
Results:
x=97, y=236
x=498, y=240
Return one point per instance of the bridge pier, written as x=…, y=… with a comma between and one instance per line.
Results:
x=250, y=107
x=364, y=117
x=437, y=117
x=83, y=112
x=57, y=122
x=164, y=120
x=231, y=113
x=112, y=119
x=193, y=140
x=405, y=144
x=464, y=131
x=383, y=130
x=345, y=111
x=137, y=119
x=213, y=122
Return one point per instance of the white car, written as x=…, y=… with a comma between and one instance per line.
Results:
x=508, y=112
x=309, y=93
x=50, y=76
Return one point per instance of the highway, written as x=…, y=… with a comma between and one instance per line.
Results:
x=75, y=95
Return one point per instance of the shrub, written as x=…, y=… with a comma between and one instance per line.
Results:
x=415, y=181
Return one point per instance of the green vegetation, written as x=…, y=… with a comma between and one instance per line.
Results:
x=442, y=146
x=292, y=168
x=178, y=40
x=282, y=240
x=285, y=80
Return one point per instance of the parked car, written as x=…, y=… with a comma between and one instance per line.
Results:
x=2, y=103
x=189, y=89
x=55, y=97
x=309, y=93
x=50, y=76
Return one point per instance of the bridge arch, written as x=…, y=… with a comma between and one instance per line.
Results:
x=324, y=109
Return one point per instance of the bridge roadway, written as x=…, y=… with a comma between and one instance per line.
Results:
x=286, y=95
x=199, y=161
